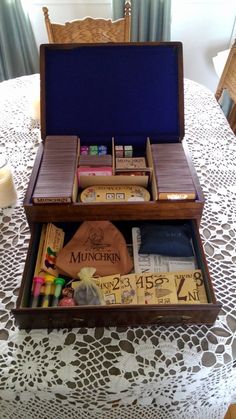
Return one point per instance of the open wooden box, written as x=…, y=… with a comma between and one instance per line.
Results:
x=104, y=91
x=130, y=94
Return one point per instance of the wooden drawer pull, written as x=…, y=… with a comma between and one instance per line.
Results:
x=167, y=319
x=78, y=319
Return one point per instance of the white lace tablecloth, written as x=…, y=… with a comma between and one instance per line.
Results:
x=121, y=373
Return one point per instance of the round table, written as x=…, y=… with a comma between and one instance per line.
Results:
x=175, y=372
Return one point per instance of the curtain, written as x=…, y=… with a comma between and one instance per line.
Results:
x=18, y=50
x=226, y=103
x=150, y=19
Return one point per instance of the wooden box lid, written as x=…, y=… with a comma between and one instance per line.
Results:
x=120, y=90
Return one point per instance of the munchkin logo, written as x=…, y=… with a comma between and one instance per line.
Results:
x=95, y=240
x=80, y=257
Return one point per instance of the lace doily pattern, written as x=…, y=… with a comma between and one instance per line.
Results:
x=150, y=372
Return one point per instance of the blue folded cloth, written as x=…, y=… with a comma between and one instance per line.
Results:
x=166, y=240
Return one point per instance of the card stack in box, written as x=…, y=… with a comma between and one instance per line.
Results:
x=95, y=160
x=57, y=180
x=173, y=176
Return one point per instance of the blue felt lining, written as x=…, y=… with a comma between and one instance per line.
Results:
x=112, y=90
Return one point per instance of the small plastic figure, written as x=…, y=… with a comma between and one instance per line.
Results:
x=67, y=299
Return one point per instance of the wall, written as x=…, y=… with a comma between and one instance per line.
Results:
x=204, y=26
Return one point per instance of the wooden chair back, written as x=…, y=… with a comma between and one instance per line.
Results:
x=90, y=29
x=228, y=82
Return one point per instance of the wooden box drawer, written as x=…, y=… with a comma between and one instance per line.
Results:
x=113, y=315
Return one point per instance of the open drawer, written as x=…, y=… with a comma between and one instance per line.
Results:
x=115, y=314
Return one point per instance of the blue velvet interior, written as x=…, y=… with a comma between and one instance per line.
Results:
x=114, y=90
